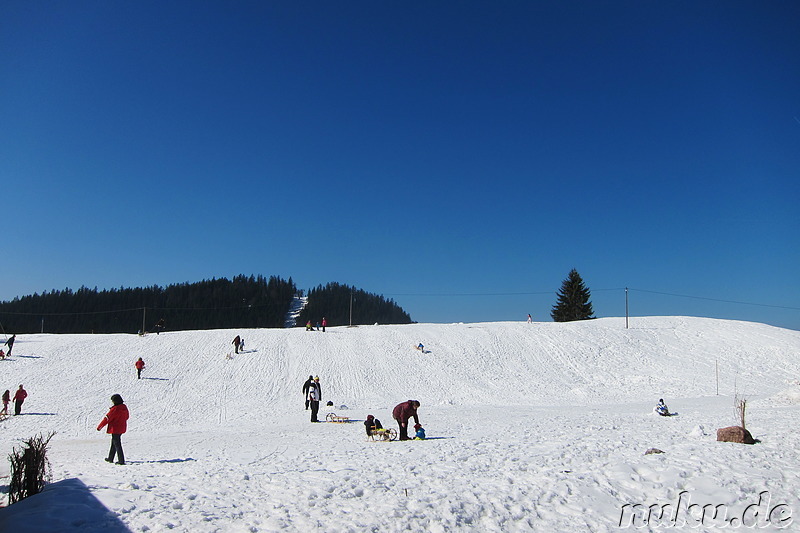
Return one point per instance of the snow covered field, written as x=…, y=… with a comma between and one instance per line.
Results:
x=532, y=427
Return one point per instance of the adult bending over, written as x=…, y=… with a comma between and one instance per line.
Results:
x=402, y=412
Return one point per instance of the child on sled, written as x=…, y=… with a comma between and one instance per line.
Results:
x=371, y=424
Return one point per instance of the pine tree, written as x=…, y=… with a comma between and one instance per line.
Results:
x=573, y=300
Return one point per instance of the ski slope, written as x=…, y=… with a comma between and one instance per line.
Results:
x=533, y=427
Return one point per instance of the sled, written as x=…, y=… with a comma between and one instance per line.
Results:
x=3, y=416
x=383, y=435
x=333, y=417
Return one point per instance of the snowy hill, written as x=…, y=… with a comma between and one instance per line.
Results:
x=213, y=441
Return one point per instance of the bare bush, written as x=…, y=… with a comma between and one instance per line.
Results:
x=30, y=469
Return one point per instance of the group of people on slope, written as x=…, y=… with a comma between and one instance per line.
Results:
x=312, y=391
x=19, y=399
x=405, y=411
x=238, y=344
x=309, y=327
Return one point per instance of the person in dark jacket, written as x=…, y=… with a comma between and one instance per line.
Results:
x=306, y=386
x=236, y=343
x=6, y=401
x=371, y=424
x=402, y=412
x=117, y=422
x=10, y=344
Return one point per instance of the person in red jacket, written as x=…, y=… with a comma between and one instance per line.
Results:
x=117, y=422
x=402, y=412
x=139, y=367
x=19, y=398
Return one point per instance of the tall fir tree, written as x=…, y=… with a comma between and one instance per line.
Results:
x=573, y=300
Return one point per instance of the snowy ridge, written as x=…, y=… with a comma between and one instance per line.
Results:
x=542, y=426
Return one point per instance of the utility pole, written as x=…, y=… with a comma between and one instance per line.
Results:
x=144, y=314
x=351, y=307
x=626, y=307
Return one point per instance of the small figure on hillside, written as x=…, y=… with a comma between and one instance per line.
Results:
x=306, y=386
x=314, y=396
x=2, y=354
x=236, y=343
x=117, y=422
x=420, y=432
x=530, y=318
x=324, y=323
x=317, y=325
x=19, y=399
x=159, y=327
x=309, y=327
x=10, y=344
x=241, y=345
x=6, y=401
x=661, y=408
x=139, y=367
x=421, y=347
x=371, y=424
x=402, y=412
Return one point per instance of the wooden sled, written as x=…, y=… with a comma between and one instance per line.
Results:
x=383, y=435
x=333, y=417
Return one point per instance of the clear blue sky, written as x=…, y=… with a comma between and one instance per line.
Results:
x=458, y=157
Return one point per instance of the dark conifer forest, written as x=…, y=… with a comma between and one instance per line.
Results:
x=243, y=302
x=341, y=305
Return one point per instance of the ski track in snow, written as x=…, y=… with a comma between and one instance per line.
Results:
x=532, y=427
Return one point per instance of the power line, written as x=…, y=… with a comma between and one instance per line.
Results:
x=717, y=299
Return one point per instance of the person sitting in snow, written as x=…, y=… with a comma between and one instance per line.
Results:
x=661, y=408
x=421, y=348
x=371, y=424
x=420, y=435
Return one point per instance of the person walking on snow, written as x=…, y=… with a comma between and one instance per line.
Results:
x=19, y=399
x=314, y=397
x=117, y=422
x=139, y=367
x=402, y=412
x=236, y=343
x=530, y=318
x=10, y=344
x=324, y=323
x=6, y=401
x=306, y=386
